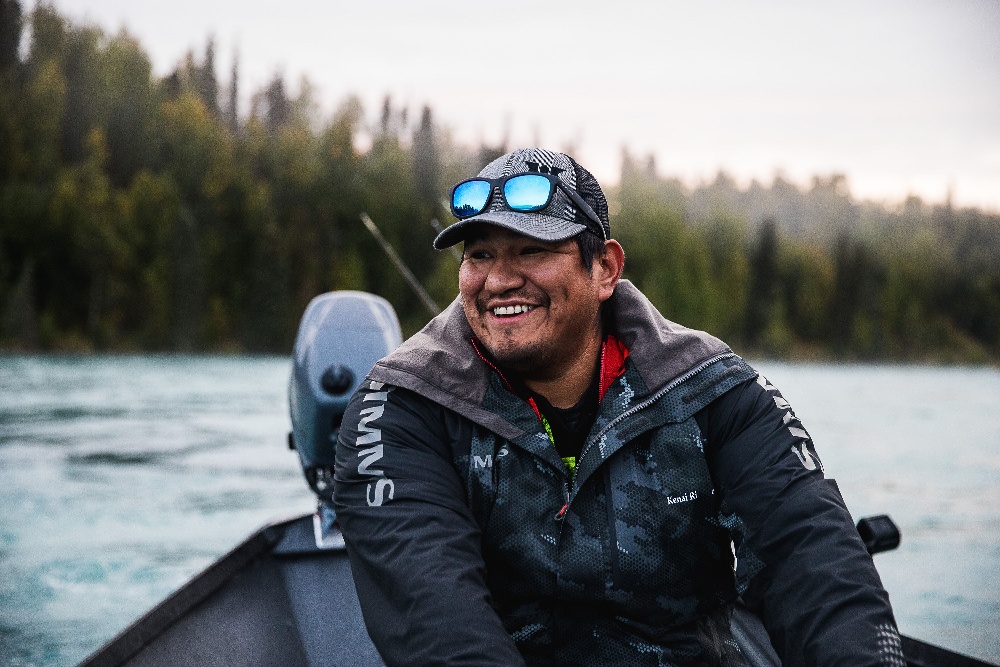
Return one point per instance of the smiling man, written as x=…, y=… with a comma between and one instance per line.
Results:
x=536, y=308
x=551, y=473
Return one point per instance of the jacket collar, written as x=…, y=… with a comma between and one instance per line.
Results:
x=441, y=363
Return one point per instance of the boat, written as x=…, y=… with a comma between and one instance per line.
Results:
x=285, y=596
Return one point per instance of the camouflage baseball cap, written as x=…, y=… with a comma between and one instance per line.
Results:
x=559, y=220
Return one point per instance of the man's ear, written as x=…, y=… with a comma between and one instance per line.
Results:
x=609, y=268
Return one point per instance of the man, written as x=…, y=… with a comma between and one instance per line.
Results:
x=551, y=473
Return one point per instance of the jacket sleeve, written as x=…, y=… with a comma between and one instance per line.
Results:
x=801, y=565
x=413, y=544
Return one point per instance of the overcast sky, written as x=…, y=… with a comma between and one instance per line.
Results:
x=902, y=96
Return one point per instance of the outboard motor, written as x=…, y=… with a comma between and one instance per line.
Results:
x=341, y=336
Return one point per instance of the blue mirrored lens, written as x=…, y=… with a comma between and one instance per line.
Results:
x=470, y=198
x=529, y=192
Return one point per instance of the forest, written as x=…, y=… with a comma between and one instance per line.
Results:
x=146, y=214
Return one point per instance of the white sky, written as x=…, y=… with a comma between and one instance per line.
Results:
x=902, y=96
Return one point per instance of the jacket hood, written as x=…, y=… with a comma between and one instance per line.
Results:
x=440, y=362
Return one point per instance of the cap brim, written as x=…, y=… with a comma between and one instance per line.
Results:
x=535, y=225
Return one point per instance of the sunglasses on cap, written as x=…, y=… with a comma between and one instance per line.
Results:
x=524, y=193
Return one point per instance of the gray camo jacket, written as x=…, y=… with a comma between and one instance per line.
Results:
x=471, y=543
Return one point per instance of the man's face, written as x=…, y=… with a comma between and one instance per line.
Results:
x=531, y=303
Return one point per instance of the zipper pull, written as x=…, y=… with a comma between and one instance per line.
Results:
x=561, y=514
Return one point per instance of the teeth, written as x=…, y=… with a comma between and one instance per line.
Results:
x=511, y=310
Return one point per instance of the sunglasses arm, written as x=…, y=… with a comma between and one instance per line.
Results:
x=586, y=208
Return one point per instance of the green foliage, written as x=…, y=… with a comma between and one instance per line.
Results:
x=138, y=213
x=697, y=275
x=874, y=283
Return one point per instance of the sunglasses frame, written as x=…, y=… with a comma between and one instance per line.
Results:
x=554, y=182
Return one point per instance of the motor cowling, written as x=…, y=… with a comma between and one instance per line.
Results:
x=341, y=335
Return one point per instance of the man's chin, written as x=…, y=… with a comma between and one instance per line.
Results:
x=524, y=360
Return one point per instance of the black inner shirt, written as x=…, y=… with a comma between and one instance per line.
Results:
x=570, y=426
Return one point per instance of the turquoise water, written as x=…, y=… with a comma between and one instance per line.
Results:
x=921, y=444
x=122, y=477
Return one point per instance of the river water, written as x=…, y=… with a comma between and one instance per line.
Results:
x=122, y=477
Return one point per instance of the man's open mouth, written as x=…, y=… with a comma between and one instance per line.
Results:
x=506, y=311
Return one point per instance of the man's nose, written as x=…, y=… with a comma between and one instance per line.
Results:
x=503, y=276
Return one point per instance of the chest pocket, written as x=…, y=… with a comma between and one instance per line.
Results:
x=664, y=515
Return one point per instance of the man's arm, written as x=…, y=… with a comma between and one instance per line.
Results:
x=801, y=564
x=413, y=544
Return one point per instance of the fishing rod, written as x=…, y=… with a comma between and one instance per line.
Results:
x=404, y=271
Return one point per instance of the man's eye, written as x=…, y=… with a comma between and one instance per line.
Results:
x=478, y=254
x=532, y=250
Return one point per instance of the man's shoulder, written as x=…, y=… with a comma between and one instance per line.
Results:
x=438, y=362
x=661, y=349
x=439, y=367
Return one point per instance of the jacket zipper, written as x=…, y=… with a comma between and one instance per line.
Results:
x=652, y=399
x=566, y=494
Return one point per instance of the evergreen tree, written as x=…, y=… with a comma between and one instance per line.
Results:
x=129, y=114
x=426, y=162
x=762, y=298
x=204, y=81
x=232, y=109
x=10, y=33
x=278, y=110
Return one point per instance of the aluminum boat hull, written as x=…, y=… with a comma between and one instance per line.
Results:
x=278, y=599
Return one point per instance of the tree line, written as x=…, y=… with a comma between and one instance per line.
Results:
x=146, y=213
